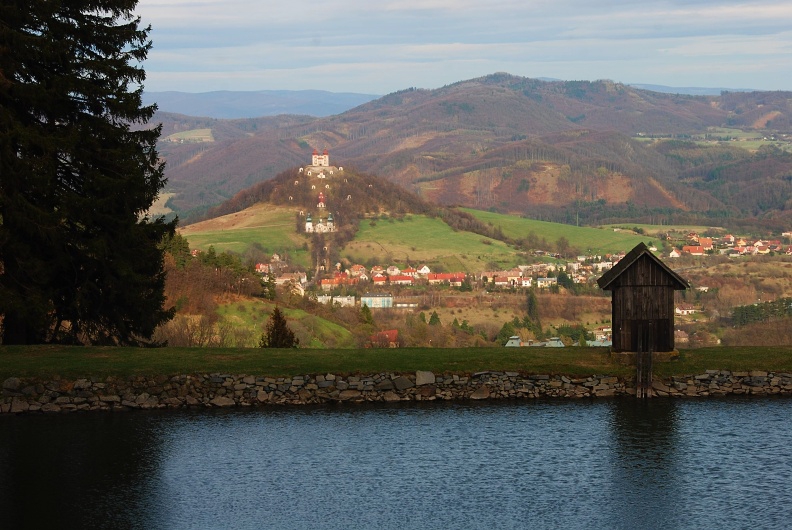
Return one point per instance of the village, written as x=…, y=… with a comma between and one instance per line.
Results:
x=545, y=275
x=409, y=288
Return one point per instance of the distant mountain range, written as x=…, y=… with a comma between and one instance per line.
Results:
x=229, y=104
x=570, y=151
x=689, y=91
x=232, y=104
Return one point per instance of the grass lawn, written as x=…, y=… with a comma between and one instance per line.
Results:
x=74, y=362
x=586, y=239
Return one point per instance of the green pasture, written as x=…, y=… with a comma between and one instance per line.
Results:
x=74, y=361
x=193, y=135
x=586, y=239
x=725, y=132
x=417, y=239
x=314, y=331
x=239, y=240
x=748, y=140
x=657, y=230
x=274, y=232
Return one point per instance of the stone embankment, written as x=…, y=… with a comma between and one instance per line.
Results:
x=222, y=390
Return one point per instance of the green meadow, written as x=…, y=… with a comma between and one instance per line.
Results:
x=313, y=331
x=586, y=239
x=417, y=239
x=270, y=230
x=656, y=230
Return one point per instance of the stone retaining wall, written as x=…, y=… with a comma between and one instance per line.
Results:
x=223, y=390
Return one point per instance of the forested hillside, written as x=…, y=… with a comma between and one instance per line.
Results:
x=578, y=152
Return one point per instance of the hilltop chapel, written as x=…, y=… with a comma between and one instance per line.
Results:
x=320, y=168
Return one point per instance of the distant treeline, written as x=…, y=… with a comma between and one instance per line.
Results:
x=762, y=312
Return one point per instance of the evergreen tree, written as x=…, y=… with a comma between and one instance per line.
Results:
x=365, y=315
x=277, y=333
x=434, y=320
x=270, y=292
x=506, y=331
x=565, y=281
x=177, y=246
x=80, y=261
x=532, y=308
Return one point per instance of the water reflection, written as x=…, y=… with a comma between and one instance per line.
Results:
x=643, y=463
x=528, y=464
x=77, y=471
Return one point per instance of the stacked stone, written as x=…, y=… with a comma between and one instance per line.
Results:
x=722, y=383
x=226, y=390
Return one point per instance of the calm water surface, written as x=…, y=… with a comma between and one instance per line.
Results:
x=723, y=463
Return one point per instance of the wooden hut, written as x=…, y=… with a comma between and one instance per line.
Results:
x=643, y=302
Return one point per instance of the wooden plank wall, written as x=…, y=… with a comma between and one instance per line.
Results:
x=643, y=293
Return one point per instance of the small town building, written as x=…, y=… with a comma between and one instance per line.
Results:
x=401, y=279
x=377, y=300
x=693, y=250
x=552, y=342
x=685, y=309
x=544, y=283
x=423, y=270
x=384, y=339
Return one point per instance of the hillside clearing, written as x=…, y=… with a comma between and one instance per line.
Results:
x=585, y=239
x=262, y=227
x=417, y=239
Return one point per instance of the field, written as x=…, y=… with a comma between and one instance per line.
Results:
x=262, y=227
x=313, y=331
x=750, y=140
x=160, y=208
x=78, y=361
x=193, y=135
x=418, y=239
x=588, y=240
x=657, y=230
x=414, y=239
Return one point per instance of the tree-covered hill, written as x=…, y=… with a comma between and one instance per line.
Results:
x=582, y=151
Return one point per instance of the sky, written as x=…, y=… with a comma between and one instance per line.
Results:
x=379, y=47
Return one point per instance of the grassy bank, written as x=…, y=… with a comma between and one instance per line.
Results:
x=73, y=362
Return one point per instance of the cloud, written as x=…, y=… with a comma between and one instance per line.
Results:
x=378, y=47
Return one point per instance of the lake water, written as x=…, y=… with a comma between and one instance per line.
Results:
x=625, y=463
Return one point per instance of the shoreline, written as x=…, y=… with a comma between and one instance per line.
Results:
x=58, y=395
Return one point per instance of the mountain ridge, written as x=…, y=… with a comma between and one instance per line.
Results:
x=227, y=104
x=554, y=150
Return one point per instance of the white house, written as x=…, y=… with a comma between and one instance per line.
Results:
x=543, y=283
x=377, y=300
x=685, y=309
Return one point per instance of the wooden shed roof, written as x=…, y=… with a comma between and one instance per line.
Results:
x=640, y=250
